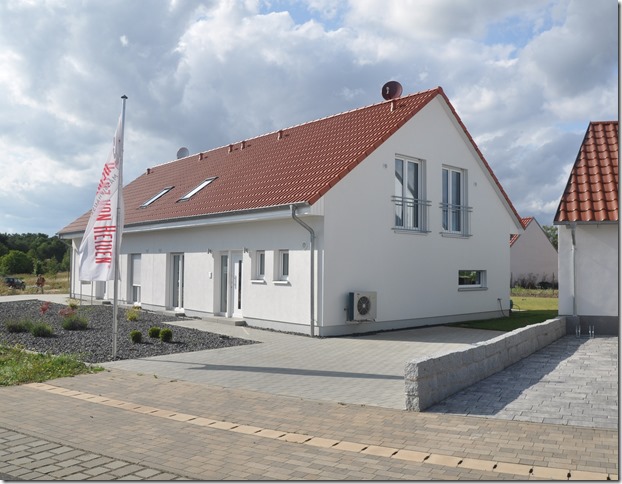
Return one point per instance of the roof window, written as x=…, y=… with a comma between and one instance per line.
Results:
x=196, y=190
x=163, y=192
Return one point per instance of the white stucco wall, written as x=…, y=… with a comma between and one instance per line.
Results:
x=596, y=270
x=533, y=255
x=414, y=275
x=270, y=300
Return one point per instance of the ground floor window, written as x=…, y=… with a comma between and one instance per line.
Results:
x=135, y=277
x=283, y=265
x=471, y=279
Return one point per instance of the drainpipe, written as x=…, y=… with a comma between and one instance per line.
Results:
x=573, y=227
x=312, y=266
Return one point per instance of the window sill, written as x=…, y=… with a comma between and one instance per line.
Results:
x=258, y=281
x=476, y=288
x=455, y=235
x=400, y=230
x=281, y=283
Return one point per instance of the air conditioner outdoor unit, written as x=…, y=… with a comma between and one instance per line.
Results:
x=361, y=306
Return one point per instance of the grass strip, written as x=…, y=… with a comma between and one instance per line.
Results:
x=18, y=366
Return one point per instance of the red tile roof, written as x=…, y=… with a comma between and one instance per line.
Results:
x=524, y=221
x=295, y=165
x=591, y=194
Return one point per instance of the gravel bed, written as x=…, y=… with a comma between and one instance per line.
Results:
x=94, y=345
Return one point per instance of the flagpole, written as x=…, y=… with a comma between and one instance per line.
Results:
x=117, y=238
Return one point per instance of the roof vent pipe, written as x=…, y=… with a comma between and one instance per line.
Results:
x=230, y=148
x=243, y=145
x=148, y=171
x=279, y=135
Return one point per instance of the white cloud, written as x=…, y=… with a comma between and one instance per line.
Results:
x=526, y=78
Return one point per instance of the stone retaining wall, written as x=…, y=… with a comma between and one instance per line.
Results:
x=432, y=379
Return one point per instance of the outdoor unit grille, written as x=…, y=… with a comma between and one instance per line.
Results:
x=361, y=306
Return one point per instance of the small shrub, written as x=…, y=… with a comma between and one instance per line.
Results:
x=75, y=323
x=44, y=308
x=132, y=314
x=154, y=332
x=23, y=326
x=67, y=312
x=42, y=330
x=73, y=304
x=136, y=336
x=166, y=335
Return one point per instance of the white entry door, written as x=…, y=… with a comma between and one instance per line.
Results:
x=177, y=281
x=236, y=283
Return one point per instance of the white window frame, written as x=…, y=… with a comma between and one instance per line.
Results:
x=197, y=189
x=260, y=265
x=163, y=192
x=454, y=209
x=410, y=206
x=283, y=262
x=135, y=278
x=478, y=277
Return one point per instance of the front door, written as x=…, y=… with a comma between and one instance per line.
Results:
x=178, y=281
x=236, y=281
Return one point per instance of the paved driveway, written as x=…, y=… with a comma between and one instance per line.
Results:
x=366, y=370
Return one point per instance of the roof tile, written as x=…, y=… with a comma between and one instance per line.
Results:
x=591, y=194
x=294, y=165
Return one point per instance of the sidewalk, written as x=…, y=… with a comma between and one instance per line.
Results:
x=298, y=408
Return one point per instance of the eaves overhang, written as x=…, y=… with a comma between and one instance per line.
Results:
x=223, y=218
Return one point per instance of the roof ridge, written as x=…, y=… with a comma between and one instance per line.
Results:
x=324, y=118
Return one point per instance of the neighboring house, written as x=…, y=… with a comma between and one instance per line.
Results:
x=382, y=217
x=588, y=233
x=533, y=259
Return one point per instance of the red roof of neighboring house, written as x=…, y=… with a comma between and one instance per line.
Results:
x=294, y=165
x=591, y=194
x=524, y=221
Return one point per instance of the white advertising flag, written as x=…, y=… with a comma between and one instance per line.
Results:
x=97, y=254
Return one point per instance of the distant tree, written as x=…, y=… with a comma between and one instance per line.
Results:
x=38, y=267
x=551, y=233
x=16, y=262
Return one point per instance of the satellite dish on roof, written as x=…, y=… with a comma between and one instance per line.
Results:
x=391, y=90
x=182, y=152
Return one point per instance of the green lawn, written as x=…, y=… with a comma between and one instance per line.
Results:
x=527, y=310
x=18, y=366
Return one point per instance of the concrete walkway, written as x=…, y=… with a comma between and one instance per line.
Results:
x=298, y=408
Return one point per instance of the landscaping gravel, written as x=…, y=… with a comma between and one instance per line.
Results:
x=94, y=345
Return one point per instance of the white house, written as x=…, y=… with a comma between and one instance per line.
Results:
x=533, y=259
x=383, y=217
x=588, y=233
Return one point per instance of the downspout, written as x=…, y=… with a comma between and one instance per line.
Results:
x=573, y=250
x=312, y=267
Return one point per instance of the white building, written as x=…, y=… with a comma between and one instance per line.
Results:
x=533, y=259
x=383, y=217
x=589, y=233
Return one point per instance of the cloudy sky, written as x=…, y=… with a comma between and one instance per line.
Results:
x=525, y=76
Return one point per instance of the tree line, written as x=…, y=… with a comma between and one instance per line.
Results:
x=33, y=254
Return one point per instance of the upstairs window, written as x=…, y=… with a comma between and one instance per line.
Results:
x=410, y=208
x=163, y=192
x=454, y=210
x=196, y=190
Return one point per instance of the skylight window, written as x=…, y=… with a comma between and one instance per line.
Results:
x=196, y=190
x=153, y=199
